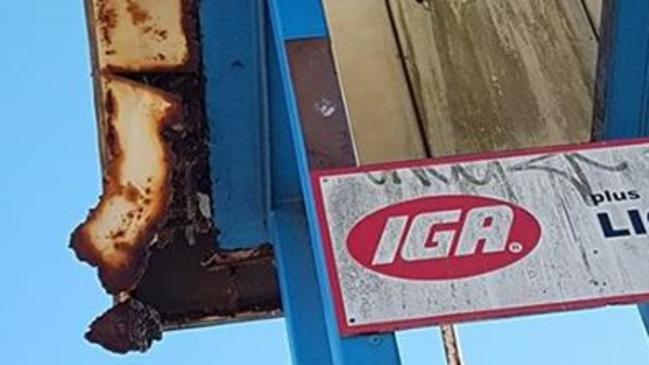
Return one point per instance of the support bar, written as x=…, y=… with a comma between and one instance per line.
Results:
x=323, y=145
x=622, y=99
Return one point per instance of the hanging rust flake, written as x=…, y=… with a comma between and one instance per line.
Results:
x=131, y=325
x=117, y=233
x=143, y=35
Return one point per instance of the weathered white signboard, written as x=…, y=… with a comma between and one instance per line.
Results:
x=469, y=238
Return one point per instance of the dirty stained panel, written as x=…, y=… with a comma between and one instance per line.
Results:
x=498, y=74
x=373, y=81
x=482, y=75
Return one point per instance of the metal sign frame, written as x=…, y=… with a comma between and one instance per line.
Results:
x=374, y=195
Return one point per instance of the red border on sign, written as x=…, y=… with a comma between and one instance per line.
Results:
x=332, y=272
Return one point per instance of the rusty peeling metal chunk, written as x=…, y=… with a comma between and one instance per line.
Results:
x=117, y=233
x=151, y=235
x=128, y=326
x=143, y=35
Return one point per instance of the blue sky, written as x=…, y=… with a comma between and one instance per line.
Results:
x=49, y=177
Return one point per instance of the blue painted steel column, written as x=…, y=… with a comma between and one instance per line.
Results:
x=302, y=302
x=622, y=109
x=234, y=65
x=297, y=20
x=301, y=299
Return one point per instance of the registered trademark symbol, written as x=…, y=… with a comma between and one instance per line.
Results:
x=515, y=247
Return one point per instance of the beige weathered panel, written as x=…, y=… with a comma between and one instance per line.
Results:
x=381, y=112
x=140, y=35
x=137, y=173
x=499, y=74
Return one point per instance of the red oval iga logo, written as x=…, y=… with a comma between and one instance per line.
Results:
x=444, y=237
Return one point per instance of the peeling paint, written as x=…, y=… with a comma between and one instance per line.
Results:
x=118, y=231
x=142, y=35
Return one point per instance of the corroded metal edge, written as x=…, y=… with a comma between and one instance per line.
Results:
x=188, y=281
x=115, y=236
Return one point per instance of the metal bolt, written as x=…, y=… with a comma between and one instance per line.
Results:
x=325, y=107
x=375, y=340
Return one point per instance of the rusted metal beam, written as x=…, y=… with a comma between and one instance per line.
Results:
x=152, y=233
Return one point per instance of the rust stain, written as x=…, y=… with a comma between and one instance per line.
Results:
x=131, y=193
x=131, y=35
x=117, y=233
x=162, y=34
x=139, y=15
x=107, y=17
x=112, y=146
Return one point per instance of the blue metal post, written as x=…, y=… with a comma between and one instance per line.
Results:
x=233, y=61
x=301, y=300
x=307, y=297
x=622, y=102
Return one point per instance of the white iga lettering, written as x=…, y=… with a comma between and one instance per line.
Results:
x=484, y=230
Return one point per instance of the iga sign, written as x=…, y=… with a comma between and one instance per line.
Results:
x=403, y=248
x=468, y=238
